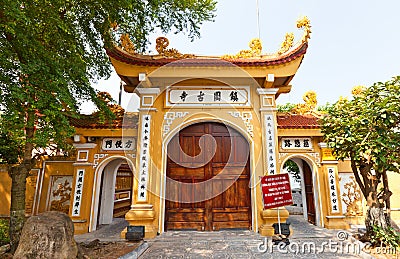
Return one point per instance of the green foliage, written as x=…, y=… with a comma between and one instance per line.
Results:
x=324, y=108
x=293, y=169
x=387, y=237
x=51, y=51
x=4, y=230
x=366, y=128
x=287, y=107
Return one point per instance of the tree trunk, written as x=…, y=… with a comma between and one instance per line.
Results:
x=17, y=209
x=376, y=216
x=386, y=196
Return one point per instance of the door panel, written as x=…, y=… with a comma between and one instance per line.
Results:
x=225, y=175
x=308, y=182
x=123, y=191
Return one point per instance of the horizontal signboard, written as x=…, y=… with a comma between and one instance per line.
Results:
x=296, y=143
x=208, y=96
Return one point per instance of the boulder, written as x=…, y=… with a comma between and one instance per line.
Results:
x=47, y=235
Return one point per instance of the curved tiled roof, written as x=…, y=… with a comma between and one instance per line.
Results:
x=289, y=121
x=129, y=120
x=157, y=60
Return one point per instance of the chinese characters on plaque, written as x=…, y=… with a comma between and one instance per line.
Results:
x=296, y=143
x=209, y=96
x=270, y=142
x=76, y=209
x=144, y=157
x=118, y=144
x=332, y=190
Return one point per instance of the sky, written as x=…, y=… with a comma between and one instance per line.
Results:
x=353, y=42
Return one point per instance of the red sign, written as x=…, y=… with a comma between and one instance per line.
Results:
x=276, y=191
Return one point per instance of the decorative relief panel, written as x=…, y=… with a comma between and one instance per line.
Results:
x=313, y=156
x=60, y=193
x=169, y=117
x=98, y=158
x=351, y=195
x=247, y=118
x=316, y=157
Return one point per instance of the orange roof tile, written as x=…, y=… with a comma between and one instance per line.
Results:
x=149, y=60
x=129, y=120
x=289, y=121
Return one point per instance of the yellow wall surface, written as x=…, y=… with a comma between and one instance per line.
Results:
x=5, y=193
x=394, y=186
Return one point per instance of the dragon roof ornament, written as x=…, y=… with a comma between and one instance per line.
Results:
x=255, y=45
x=161, y=47
x=254, y=51
x=309, y=107
x=126, y=43
x=305, y=24
x=287, y=44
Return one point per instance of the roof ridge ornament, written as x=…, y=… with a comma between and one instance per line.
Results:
x=256, y=46
x=287, y=43
x=255, y=50
x=309, y=107
x=161, y=46
x=126, y=43
x=305, y=24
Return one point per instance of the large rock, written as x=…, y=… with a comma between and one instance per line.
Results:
x=47, y=235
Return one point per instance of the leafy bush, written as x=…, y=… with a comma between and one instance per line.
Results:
x=385, y=237
x=285, y=107
x=4, y=226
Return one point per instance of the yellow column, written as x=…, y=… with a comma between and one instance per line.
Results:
x=270, y=157
x=142, y=212
x=334, y=218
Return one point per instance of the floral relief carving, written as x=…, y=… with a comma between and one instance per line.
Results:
x=352, y=198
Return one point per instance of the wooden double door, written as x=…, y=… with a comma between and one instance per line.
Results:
x=208, y=177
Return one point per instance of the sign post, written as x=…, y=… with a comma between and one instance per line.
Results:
x=276, y=192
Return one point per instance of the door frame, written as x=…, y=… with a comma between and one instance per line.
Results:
x=298, y=158
x=113, y=162
x=163, y=175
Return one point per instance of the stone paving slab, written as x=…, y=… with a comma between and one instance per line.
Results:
x=307, y=241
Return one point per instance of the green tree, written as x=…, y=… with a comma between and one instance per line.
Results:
x=293, y=169
x=50, y=52
x=287, y=107
x=366, y=129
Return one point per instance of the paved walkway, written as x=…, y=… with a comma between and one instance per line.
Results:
x=307, y=241
x=106, y=233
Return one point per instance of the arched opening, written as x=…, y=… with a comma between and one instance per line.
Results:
x=112, y=192
x=303, y=188
x=207, y=179
x=116, y=192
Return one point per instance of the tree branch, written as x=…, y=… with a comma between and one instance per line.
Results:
x=358, y=179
